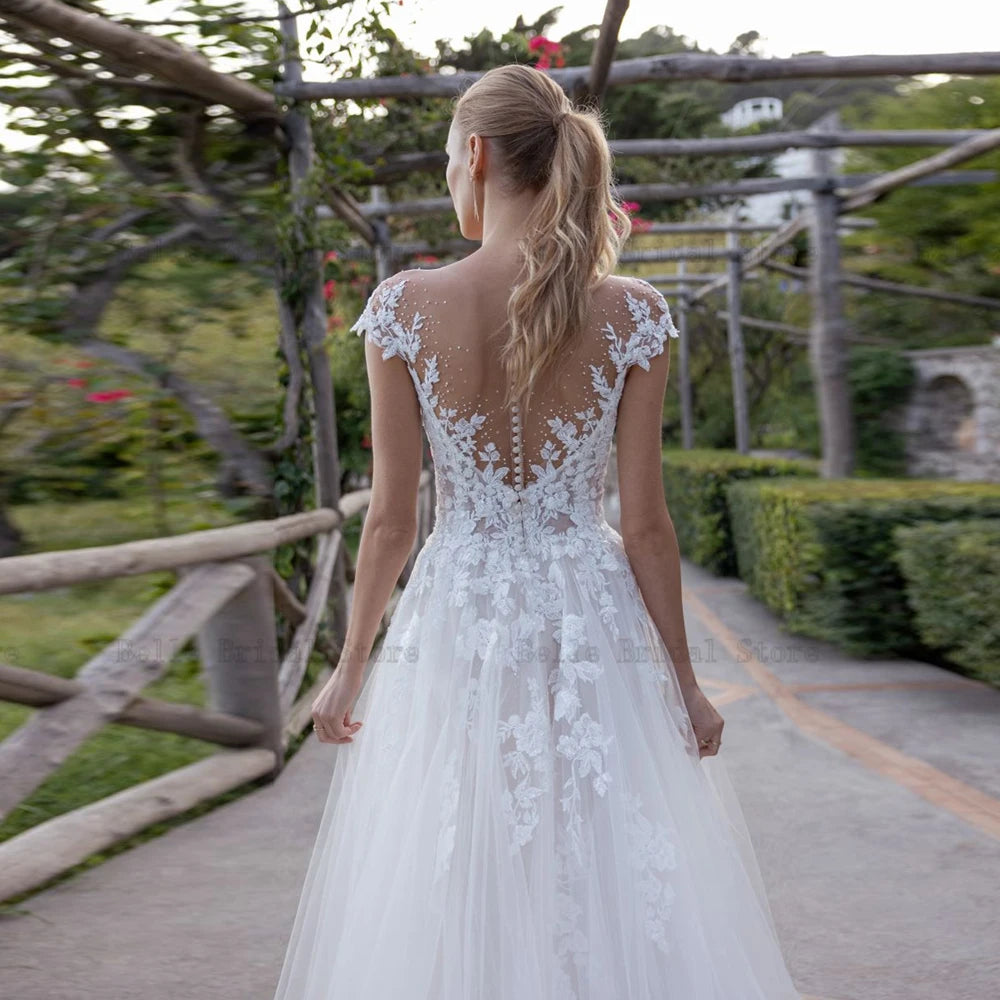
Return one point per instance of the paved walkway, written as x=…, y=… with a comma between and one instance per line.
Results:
x=871, y=790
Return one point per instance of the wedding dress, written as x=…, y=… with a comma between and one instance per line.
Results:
x=524, y=814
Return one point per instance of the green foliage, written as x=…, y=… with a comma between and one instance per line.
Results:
x=694, y=483
x=935, y=236
x=952, y=575
x=880, y=380
x=822, y=553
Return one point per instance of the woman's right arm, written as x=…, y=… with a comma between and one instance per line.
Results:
x=648, y=532
x=645, y=525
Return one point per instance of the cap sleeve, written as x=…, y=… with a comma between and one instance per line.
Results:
x=651, y=324
x=380, y=323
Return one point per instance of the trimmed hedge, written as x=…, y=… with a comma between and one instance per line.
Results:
x=821, y=552
x=694, y=482
x=952, y=576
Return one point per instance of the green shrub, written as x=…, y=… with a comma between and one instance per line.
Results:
x=952, y=575
x=881, y=379
x=694, y=482
x=821, y=552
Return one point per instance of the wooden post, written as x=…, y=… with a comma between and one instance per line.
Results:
x=384, y=263
x=238, y=648
x=326, y=462
x=687, y=408
x=828, y=352
x=734, y=274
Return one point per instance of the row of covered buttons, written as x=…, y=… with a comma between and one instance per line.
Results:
x=515, y=420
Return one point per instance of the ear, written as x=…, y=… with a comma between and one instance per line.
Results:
x=477, y=154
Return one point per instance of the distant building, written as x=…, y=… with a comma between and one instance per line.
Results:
x=775, y=208
x=752, y=110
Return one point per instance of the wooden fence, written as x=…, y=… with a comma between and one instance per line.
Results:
x=226, y=597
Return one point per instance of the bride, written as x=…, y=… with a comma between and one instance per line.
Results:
x=521, y=804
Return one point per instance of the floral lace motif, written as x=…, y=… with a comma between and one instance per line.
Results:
x=512, y=550
x=653, y=856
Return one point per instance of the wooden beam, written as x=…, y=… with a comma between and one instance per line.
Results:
x=893, y=287
x=402, y=165
x=604, y=50
x=684, y=355
x=293, y=667
x=112, y=678
x=38, y=689
x=674, y=253
x=47, y=570
x=53, y=847
x=678, y=66
x=800, y=333
x=160, y=57
x=734, y=340
x=827, y=343
x=678, y=192
x=914, y=172
x=768, y=324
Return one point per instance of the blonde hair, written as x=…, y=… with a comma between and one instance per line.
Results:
x=576, y=229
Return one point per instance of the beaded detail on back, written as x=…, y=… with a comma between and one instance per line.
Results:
x=537, y=476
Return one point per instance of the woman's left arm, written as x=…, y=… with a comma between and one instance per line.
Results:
x=390, y=527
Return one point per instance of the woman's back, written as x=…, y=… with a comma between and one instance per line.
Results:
x=508, y=473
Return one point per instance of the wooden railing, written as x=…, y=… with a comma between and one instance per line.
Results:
x=225, y=598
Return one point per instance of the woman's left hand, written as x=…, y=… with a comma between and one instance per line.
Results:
x=331, y=711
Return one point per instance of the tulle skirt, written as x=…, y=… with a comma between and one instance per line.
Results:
x=526, y=817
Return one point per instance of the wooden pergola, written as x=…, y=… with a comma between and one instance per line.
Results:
x=832, y=198
x=228, y=592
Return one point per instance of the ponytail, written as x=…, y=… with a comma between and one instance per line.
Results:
x=576, y=229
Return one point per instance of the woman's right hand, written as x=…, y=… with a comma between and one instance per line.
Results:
x=705, y=720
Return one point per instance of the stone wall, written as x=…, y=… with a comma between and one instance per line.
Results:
x=952, y=420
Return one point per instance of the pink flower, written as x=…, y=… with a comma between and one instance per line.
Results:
x=640, y=225
x=329, y=289
x=545, y=44
x=630, y=206
x=79, y=383
x=108, y=396
x=330, y=255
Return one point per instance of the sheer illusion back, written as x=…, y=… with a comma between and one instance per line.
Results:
x=537, y=472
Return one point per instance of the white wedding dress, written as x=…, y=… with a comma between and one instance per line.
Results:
x=524, y=814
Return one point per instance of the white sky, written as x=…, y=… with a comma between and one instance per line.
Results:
x=851, y=27
x=858, y=27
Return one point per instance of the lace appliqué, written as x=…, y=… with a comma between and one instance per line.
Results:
x=528, y=761
x=653, y=856
x=449, y=816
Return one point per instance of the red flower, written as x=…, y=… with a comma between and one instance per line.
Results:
x=547, y=48
x=83, y=364
x=426, y=258
x=545, y=44
x=366, y=441
x=108, y=396
x=333, y=322
x=329, y=289
x=330, y=255
x=79, y=383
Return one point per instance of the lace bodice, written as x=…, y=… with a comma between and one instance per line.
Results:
x=529, y=480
